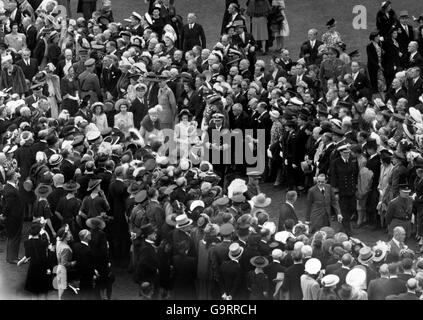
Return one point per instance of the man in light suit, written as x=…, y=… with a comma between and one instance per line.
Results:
x=396, y=244
x=287, y=210
x=192, y=34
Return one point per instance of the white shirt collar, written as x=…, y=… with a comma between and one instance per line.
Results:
x=12, y=184
x=85, y=243
x=289, y=203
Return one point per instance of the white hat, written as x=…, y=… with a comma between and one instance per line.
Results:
x=296, y=101
x=182, y=221
x=330, y=280
x=356, y=278
x=6, y=58
x=141, y=66
x=271, y=226
x=137, y=15
x=93, y=135
x=195, y=204
x=185, y=164
x=313, y=266
x=275, y=114
x=170, y=36
x=282, y=236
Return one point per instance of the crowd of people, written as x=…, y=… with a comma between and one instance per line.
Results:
x=114, y=137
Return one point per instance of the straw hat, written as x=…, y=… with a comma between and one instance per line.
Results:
x=183, y=221
x=260, y=201
x=96, y=223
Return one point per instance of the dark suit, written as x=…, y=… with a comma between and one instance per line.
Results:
x=361, y=86
x=378, y=289
x=342, y=274
x=404, y=39
x=293, y=81
x=139, y=109
x=109, y=79
x=28, y=70
x=414, y=91
x=320, y=206
x=292, y=281
x=231, y=279
x=155, y=214
x=310, y=53
x=286, y=212
x=119, y=226
x=31, y=37
x=272, y=271
x=13, y=211
x=68, y=170
x=332, y=268
x=147, y=264
x=84, y=268
x=415, y=61
x=396, y=286
x=372, y=65
x=403, y=296
x=391, y=60
x=394, y=95
x=193, y=37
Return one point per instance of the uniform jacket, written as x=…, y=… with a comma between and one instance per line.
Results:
x=344, y=176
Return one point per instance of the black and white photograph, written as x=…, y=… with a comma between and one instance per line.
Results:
x=229, y=151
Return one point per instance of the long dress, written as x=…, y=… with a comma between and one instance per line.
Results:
x=124, y=122
x=167, y=100
x=64, y=258
x=37, y=280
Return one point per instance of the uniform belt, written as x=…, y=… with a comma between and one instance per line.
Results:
x=402, y=218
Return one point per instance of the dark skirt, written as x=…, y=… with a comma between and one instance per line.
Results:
x=37, y=280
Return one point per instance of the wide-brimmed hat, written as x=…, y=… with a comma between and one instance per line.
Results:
x=330, y=280
x=313, y=266
x=147, y=229
x=133, y=188
x=183, y=221
x=55, y=159
x=380, y=250
x=282, y=236
x=93, y=183
x=356, y=278
x=96, y=223
x=171, y=219
x=141, y=196
x=259, y=261
x=71, y=186
x=260, y=201
x=235, y=251
x=43, y=190
x=365, y=255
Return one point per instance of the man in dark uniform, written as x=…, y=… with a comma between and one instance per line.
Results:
x=290, y=146
x=79, y=66
x=218, y=146
x=373, y=164
x=343, y=177
x=89, y=82
x=399, y=211
x=110, y=75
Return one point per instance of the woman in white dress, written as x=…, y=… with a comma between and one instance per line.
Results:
x=185, y=132
x=99, y=117
x=124, y=120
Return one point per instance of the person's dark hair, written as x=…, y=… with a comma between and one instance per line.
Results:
x=346, y=260
x=62, y=233
x=289, y=224
x=364, y=134
x=151, y=192
x=407, y=264
x=393, y=268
